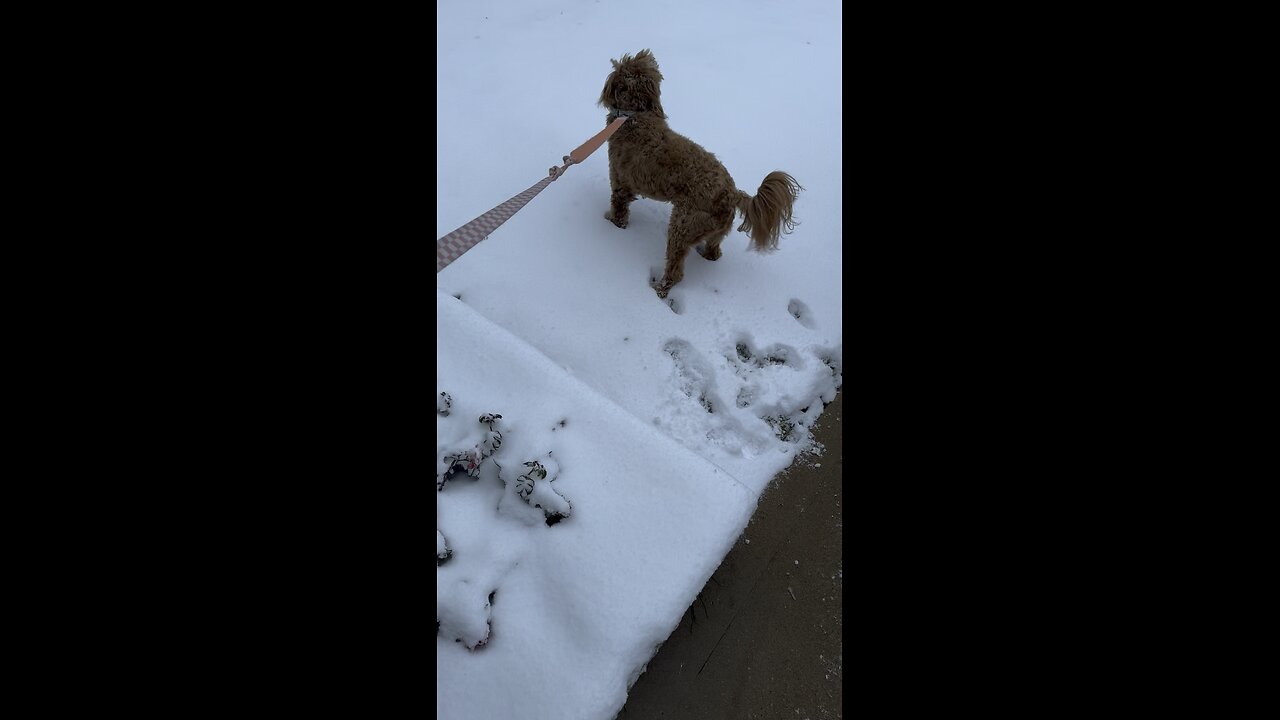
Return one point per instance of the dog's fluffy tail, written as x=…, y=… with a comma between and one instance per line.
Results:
x=768, y=214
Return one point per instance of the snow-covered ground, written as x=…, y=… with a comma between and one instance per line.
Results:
x=657, y=423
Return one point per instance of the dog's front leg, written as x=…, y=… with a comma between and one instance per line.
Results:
x=677, y=248
x=620, y=201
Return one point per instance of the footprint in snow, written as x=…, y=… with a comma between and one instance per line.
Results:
x=801, y=313
x=693, y=375
x=776, y=354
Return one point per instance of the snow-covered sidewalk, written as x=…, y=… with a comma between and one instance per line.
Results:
x=568, y=613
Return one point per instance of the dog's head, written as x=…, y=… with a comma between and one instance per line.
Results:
x=633, y=84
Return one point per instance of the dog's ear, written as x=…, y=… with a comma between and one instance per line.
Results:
x=604, y=94
x=648, y=94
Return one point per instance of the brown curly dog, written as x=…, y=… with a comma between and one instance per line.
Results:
x=648, y=158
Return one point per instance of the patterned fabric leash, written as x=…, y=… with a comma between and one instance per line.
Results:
x=452, y=246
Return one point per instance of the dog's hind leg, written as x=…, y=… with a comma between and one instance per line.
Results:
x=686, y=229
x=619, y=200
x=709, y=246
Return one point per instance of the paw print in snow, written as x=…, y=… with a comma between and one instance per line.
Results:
x=801, y=313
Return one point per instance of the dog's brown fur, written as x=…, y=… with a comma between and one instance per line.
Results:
x=648, y=158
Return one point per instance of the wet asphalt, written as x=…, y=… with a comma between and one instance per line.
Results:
x=764, y=639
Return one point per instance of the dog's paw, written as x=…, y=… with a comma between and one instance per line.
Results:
x=661, y=289
x=620, y=223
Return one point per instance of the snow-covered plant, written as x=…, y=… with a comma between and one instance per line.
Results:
x=524, y=485
x=470, y=460
x=534, y=486
x=458, y=614
x=443, y=551
x=492, y=439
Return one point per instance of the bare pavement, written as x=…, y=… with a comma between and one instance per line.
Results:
x=764, y=639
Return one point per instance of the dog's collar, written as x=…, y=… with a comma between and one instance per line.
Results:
x=615, y=114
